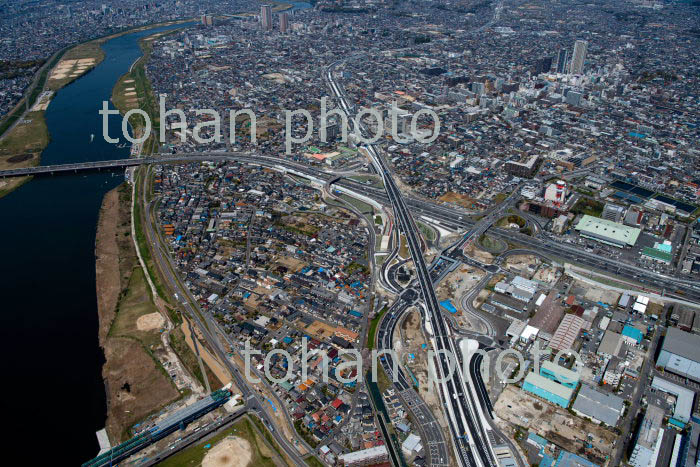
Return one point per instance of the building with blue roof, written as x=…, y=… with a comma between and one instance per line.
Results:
x=560, y=374
x=569, y=459
x=548, y=390
x=632, y=335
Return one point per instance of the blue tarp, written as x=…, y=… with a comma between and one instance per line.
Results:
x=447, y=304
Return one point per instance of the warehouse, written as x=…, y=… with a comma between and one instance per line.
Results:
x=547, y=389
x=567, y=332
x=684, y=398
x=611, y=345
x=680, y=354
x=608, y=232
x=598, y=406
x=560, y=374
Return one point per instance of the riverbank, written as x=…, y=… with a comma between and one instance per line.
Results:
x=24, y=131
x=130, y=326
x=133, y=91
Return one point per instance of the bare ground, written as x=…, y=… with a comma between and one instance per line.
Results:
x=135, y=383
x=229, y=452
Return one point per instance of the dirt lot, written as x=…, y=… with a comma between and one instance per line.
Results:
x=229, y=452
x=547, y=274
x=222, y=377
x=520, y=263
x=458, y=199
x=456, y=284
x=480, y=255
x=292, y=264
x=516, y=407
x=599, y=295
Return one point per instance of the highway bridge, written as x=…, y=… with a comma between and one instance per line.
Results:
x=449, y=217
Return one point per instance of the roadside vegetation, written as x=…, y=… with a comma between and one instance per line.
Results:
x=373, y=328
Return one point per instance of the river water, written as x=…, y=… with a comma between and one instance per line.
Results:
x=52, y=384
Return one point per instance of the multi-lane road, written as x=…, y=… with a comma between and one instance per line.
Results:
x=471, y=441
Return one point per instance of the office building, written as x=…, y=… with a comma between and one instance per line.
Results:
x=613, y=212
x=680, y=354
x=574, y=98
x=579, y=57
x=284, y=22
x=266, y=17
x=561, y=61
x=556, y=192
x=543, y=65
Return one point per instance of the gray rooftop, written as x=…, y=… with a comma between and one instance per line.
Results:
x=603, y=407
x=682, y=343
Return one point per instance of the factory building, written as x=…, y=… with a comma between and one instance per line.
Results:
x=598, y=406
x=560, y=374
x=646, y=451
x=608, y=232
x=680, y=354
x=547, y=389
x=684, y=398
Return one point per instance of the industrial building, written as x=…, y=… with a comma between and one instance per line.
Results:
x=661, y=252
x=684, y=398
x=632, y=335
x=411, y=446
x=598, y=406
x=608, y=232
x=680, y=354
x=567, y=332
x=649, y=438
x=547, y=389
x=610, y=345
x=560, y=374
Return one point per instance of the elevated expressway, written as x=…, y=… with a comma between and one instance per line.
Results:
x=470, y=438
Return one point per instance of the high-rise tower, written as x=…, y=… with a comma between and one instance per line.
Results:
x=266, y=17
x=579, y=57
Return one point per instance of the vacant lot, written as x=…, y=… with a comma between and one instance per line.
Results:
x=458, y=199
x=518, y=408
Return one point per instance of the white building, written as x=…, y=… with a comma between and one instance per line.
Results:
x=411, y=446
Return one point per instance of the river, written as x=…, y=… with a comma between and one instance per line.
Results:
x=52, y=383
